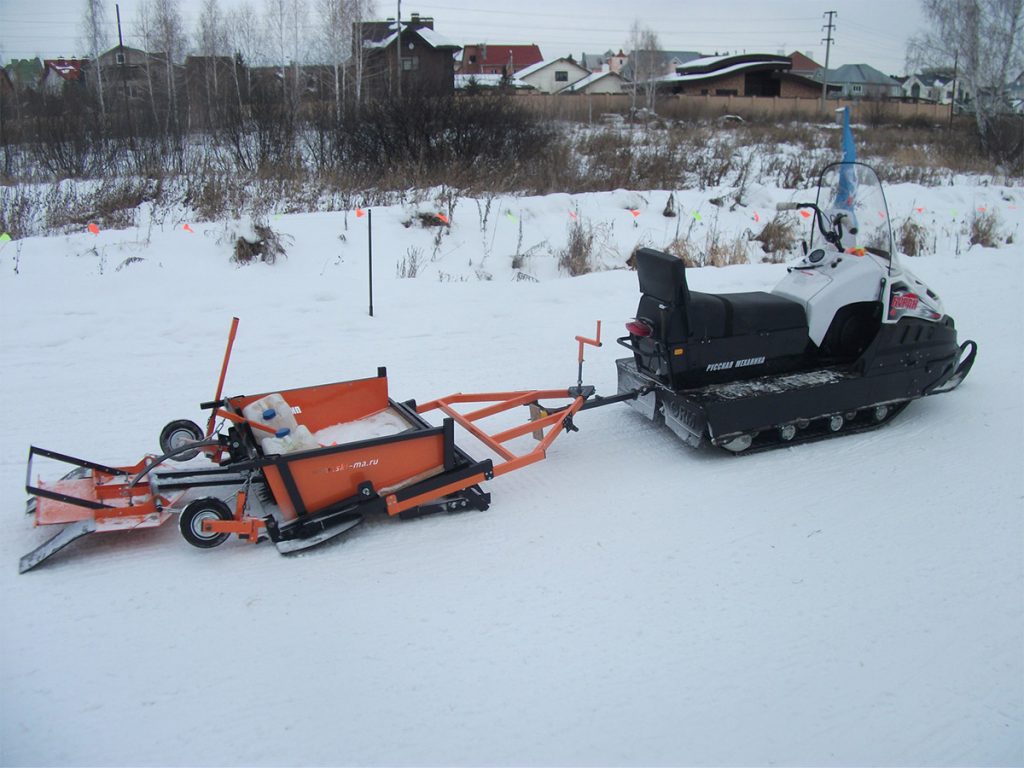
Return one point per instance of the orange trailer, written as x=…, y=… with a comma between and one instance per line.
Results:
x=303, y=465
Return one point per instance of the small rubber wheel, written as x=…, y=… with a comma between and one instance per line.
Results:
x=190, y=522
x=177, y=435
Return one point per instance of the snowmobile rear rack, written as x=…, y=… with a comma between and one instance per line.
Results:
x=301, y=466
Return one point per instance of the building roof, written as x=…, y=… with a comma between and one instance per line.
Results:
x=582, y=85
x=498, y=55
x=857, y=73
x=683, y=57
x=547, y=63
x=68, y=69
x=709, y=67
x=381, y=34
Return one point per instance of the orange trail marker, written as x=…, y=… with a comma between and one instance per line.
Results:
x=443, y=218
x=187, y=228
x=919, y=210
x=756, y=217
x=94, y=228
x=360, y=213
x=635, y=212
x=573, y=215
x=982, y=209
x=805, y=214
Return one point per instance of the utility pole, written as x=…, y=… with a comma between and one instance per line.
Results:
x=398, y=51
x=952, y=101
x=121, y=61
x=828, y=49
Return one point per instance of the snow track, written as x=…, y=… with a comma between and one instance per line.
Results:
x=627, y=601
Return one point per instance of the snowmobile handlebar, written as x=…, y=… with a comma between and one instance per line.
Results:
x=835, y=236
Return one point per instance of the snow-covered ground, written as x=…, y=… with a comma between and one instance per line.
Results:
x=627, y=601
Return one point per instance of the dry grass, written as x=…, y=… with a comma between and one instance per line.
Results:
x=911, y=238
x=266, y=248
x=985, y=230
x=577, y=257
x=777, y=238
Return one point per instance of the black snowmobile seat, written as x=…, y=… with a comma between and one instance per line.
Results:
x=662, y=277
x=760, y=312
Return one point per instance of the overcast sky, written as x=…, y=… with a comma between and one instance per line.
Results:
x=866, y=31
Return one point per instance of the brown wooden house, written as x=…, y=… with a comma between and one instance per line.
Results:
x=424, y=66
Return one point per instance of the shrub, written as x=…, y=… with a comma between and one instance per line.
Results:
x=985, y=230
x=777, y=238
x=265, y=247
x=576, y=257
x=911, y=238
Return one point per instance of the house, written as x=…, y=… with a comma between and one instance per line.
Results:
x=130, y=73
x=860, y=81
x=58, y=73
x=553, y=75
x=427, y=63
x=497, y=59
x=25, y=73
x=600, y=62
x=803, y=65
x=598, y=82
x=748, y=74
x=932, y=87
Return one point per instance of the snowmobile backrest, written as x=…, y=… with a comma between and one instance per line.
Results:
x=662, y=276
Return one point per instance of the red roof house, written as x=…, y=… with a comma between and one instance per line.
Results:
x=497, y=59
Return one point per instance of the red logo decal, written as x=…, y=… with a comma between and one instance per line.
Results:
x=905, y=301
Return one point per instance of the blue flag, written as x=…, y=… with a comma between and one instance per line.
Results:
x=847, y=191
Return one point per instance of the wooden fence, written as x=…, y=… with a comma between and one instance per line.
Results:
x=590, y=108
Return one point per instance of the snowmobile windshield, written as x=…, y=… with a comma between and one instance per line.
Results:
x=853, y=205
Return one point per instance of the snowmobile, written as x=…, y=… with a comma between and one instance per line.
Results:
x=842, y=344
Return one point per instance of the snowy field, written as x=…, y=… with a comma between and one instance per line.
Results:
x=629, y=601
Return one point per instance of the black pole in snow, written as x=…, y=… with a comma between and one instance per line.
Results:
x=369, y=248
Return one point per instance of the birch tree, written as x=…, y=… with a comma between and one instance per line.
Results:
x=94, y=21
x=646, y=62
x=985, y=40
x=335, y=43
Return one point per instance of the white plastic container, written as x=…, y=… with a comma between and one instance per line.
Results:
x=270, y=411
x=299, y=439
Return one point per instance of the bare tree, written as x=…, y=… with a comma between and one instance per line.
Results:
x=361, y=10
x=94, y=21
x=212, y=44
x=339, y=22
x=246, y=40
x=159, y=24
x=647, y=63
x=985, y=40
x=335, y=43
x=285, y=21
x=145, y=32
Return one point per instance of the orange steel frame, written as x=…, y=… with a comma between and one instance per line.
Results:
x=502, y=401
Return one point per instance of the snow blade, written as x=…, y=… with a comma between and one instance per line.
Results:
x=67, y=534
